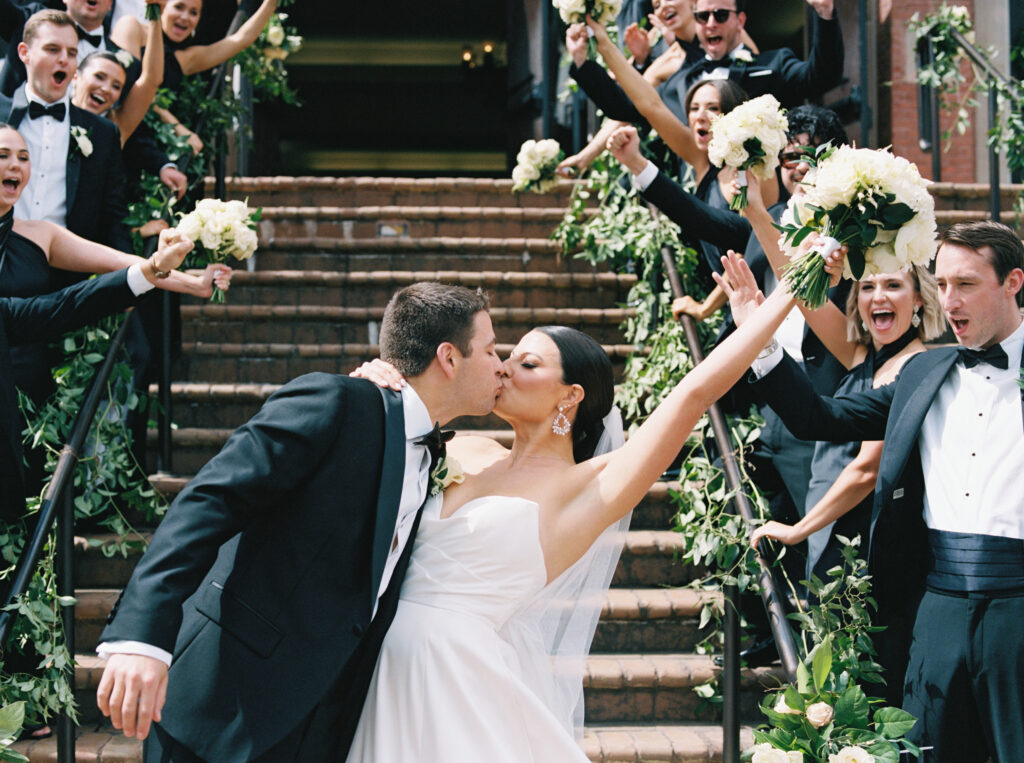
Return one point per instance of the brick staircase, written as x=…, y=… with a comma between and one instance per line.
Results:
x=331, y=253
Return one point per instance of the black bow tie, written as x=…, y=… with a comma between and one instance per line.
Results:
x=706, y=66
x=435, y=441
x=994, y=356
x=96, y=40
x=55, y=110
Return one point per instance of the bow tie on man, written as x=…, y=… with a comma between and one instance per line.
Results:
x=96, y=40
x=994, y=356
x=435, y=441
x=55, y=110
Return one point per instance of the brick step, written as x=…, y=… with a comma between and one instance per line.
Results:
x=363, y=191
x=278, y=363
x=691, y=742
x=947, y=217
x=326, y=324
x=971, y=196
x=618, y=688
x=436, y=253
x=656, y=512
x=374, y=288
x=641, y=620
x=413, y=221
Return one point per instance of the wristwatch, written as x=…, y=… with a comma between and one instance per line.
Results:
x=770, y=348
x=156, y=272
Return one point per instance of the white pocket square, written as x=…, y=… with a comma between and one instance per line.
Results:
x=759, y=73
x=897, y=494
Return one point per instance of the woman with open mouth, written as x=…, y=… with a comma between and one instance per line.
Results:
x=182, y=58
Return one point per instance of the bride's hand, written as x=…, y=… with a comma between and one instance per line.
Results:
x=381, y=373
x=739, y=286
x=834, y=262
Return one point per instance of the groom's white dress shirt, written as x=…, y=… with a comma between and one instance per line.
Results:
x=48, y=141
x=414, y=492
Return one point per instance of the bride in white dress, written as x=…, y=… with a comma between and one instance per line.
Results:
x=470, y=669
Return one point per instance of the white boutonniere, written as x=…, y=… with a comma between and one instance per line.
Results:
x=124, y=57
x=447, y=472
x=81, y=141
x=743, y=56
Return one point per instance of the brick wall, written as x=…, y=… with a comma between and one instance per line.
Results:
x=898, y=101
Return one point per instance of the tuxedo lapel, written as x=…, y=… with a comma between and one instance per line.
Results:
x=74, y=163
x=391, y=479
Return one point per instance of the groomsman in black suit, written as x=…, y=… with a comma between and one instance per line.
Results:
x=46, y=318
x=77, y=172
x=719, y=27
x=275, y=574
x=947, y=532
x=92, y=20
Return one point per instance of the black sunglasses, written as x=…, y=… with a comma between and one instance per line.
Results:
x=792, y=159
x=721, y=15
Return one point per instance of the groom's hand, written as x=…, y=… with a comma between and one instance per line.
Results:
x=132, y=692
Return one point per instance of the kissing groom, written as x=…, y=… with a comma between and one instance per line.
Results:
x=270, y=583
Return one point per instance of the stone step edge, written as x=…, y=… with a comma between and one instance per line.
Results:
x=489, y=278
x=403, y=212
x=634, y=604
x=403, y=245
x=601, y=743
x=611, y=316
x=358, y=349
x=604, y=672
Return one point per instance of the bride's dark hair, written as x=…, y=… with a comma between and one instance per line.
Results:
x=584, y=362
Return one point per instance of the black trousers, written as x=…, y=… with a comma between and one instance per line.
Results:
x=965, y=678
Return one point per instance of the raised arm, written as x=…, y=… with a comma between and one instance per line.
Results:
x=676, y=135
x=827, y=322
x=855, y=483
x=135, y=105
x=199, y=58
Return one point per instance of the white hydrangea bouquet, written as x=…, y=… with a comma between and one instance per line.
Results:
x=604, y=12
x=873, y=202
x=535, y=166
x=750, y=137
x=827, y=718
x=220, y=230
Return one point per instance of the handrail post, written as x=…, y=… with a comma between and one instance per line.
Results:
x=995, y=200
x=66, y=587
x=933, y=105
x=164, y=417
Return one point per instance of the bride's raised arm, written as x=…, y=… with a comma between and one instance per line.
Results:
x=677, y=135
x=618, y=482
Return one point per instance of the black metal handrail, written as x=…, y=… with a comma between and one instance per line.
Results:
x=929, y=122
x=771, y=591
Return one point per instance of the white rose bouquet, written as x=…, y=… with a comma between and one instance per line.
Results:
x=275, y=41
x=750, y=137
x=604, y=12
x=827, y=718
x=535, y=166
x=220, y=230
x=873, y=202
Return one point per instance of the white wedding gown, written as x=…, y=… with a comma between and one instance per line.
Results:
x=448, y=685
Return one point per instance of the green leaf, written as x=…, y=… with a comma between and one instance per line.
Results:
x=852, y=708
x=803, y=678
x=884, y=752
x=893, y=723
x=794, y=699
x=12, y=718
x=821, y=665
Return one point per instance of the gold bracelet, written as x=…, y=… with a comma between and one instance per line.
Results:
x=157, y=273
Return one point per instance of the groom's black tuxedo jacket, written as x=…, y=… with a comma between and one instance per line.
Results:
x=778, y=72
x=95, y=183
x=262, y=577
x=898, y=555
x=40, y=319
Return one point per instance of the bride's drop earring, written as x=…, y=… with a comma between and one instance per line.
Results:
x=915, y=320
x=561, y=425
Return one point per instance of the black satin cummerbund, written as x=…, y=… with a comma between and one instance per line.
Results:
x=967, y=563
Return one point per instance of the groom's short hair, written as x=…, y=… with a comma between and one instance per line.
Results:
x=424, y=315
x=45, y=16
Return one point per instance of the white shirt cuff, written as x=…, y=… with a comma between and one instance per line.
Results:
x=133, y=647
x=646, y=176
x=762, y=366
x=137, y=282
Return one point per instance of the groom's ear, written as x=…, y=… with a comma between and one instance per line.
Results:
x=446, y=355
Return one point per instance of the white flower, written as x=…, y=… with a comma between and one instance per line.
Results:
x=295, y=43
x=765, y=753
x=571, y=11
x=851, y=755
x=275, y=34
x=535, y=167
x=81, y=136
x=742, y=54
x=190, y=226
x=819, y=714
x=761, y=119
x=447, y=472
x=124, y=57
x=519, y=179
x=782, y=707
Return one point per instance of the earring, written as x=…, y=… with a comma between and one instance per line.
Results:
x=561, y=425
x=864, y=326
x=915, y=319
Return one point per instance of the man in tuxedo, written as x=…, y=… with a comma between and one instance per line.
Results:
x=77, y=173
x=719, y=26
x=288, y=549
x=93, y=22
x=46, y=318
x=946, y=554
